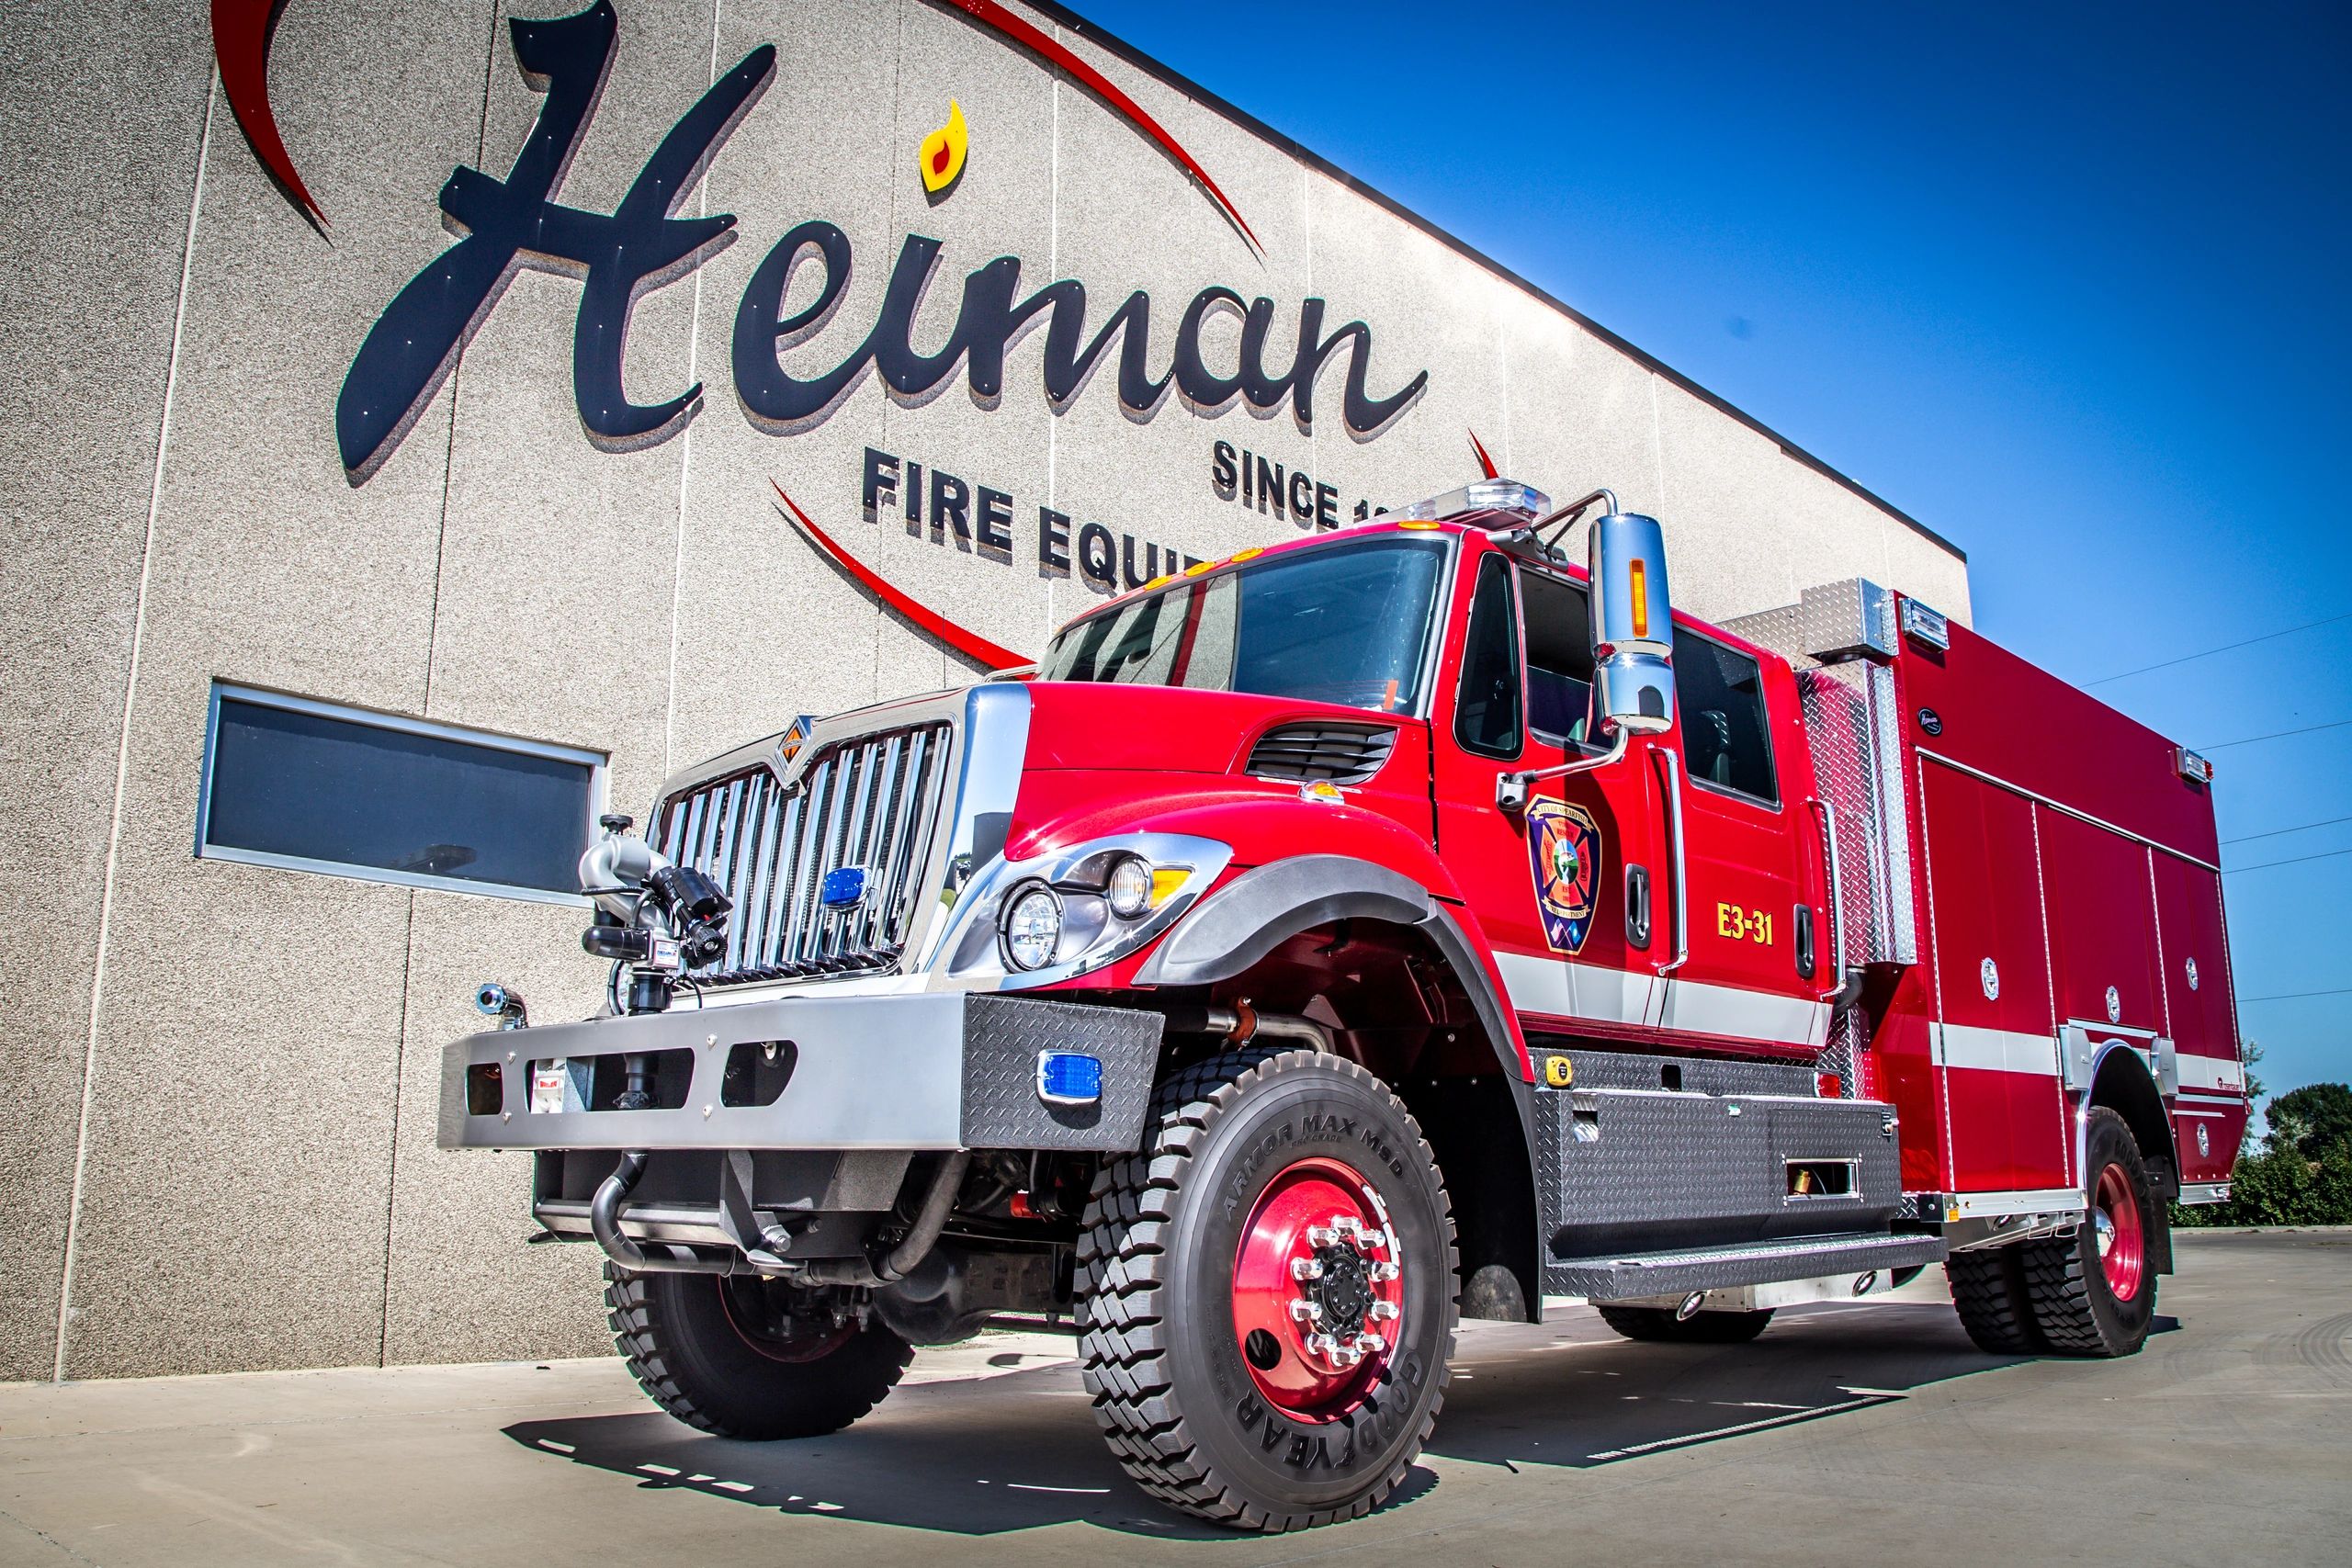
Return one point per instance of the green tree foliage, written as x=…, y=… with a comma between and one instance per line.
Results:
x=2314, y=1118
x=2301, y=1174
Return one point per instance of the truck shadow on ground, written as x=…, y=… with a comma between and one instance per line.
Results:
x=1022, y=1450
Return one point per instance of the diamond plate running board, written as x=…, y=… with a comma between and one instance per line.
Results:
x=1633, y=1274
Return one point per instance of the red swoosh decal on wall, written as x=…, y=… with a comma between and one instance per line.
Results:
x=1484, y=461
x=242, y=31
x=988, y=14
x=241, y=34
x=971, y=645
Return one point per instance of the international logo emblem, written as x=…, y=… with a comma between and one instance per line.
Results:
x=1564, y=845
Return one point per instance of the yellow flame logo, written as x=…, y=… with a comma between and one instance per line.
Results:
x=941, y=157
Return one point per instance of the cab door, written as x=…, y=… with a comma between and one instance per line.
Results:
x=1566, y=891
x=1754, y=970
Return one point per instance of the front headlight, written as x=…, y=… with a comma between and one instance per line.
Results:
x=1129, y=888
x=1068, y=911
x=1033, y=926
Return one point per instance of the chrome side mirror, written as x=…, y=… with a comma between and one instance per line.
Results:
x=1632, y=625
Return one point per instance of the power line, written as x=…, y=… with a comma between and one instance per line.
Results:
x=2225, y=647
x=2280, y=832
x=2292, y=995
x=2297, y=860
x=2278, y=735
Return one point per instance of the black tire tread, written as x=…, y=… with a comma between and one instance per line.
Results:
x=1989, y=1292
x=2058, y=1273
x=640, y=1332
x=1121, y=1305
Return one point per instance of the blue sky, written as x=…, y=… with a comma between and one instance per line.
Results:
x=2068, y=283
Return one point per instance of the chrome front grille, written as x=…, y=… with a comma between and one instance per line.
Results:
x=868, y=808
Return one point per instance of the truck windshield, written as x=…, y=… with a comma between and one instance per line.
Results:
x=1346, y=624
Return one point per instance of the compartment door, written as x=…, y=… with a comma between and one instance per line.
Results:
x=1995, y=1049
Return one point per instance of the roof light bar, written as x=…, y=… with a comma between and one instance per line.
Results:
x=1508, y=498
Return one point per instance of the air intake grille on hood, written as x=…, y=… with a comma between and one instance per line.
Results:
x=1344, y=754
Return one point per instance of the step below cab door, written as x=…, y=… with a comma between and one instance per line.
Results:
x=1568, y=890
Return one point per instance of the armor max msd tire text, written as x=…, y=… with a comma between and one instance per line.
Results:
x=1266, y=1292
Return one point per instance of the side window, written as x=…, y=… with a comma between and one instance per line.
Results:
x=1559, y=659
x=1724, y=736
x=1486, y=713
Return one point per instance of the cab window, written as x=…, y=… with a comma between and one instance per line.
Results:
x=1559, y=661
x=1725, y=739
x=1486, y=713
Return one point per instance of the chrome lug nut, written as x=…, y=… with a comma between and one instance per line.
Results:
x=1307, y=1311
x=1386, y=1312
x=1306, y=1269
x=1322, y=1236
x=1345, y=1355
x=1370, y=1344
x=1321, y=1344
x=1386, y=1271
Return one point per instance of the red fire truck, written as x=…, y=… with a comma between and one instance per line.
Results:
x=1364, y=932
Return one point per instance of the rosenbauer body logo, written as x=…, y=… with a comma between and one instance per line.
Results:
x=517, y=221
x=1563, y=847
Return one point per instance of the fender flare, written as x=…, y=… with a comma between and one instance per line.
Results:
x=2120, y=1082
x=1256, y=911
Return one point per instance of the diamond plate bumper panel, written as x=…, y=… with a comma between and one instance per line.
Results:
x=930, y=1071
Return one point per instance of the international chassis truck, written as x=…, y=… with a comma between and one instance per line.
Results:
x=1384, y=927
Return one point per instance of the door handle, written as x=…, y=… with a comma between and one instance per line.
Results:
x=1836, y=899
x=1679, y=903
x=1637, y=906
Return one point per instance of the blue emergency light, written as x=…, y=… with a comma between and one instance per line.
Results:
x=1069, y=1078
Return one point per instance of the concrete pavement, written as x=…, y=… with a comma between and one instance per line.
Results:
x=1848, y=1433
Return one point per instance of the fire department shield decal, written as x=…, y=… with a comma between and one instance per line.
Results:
x=1563, y=847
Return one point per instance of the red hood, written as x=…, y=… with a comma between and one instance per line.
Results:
x=1166, y=729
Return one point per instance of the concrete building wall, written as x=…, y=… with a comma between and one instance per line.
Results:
x=219, y=1150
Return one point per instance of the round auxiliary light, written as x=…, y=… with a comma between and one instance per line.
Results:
x=1033, y=926
x=1130, y=887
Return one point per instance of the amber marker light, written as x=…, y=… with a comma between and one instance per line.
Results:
x=941, y=157
x=1639, y=572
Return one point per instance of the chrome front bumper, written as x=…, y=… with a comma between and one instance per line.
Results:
x=933, y=1071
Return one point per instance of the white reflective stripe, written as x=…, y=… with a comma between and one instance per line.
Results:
x=1564, y=990
x=1602, y=995
x=1995, y=1050
x=2207, y=1097
x=1697, y=1008
x=2212, y=1073
x=2185, y=1111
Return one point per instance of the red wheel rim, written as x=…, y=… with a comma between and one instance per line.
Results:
x=1319, y=1291
x=2122, y=1240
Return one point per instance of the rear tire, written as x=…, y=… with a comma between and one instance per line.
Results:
x=1196, y=1331
x=2093, y=1294
x=1659, y=1326
x=721, y=1355
x=1988, y=1290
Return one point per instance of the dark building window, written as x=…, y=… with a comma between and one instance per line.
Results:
x=290, y=782
x=1721, y=697
x=1486, y=713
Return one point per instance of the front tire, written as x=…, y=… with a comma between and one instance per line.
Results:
x=1659, y=1324
x=2093, y=1294
x=727, y=1356
x=1265, y=1292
